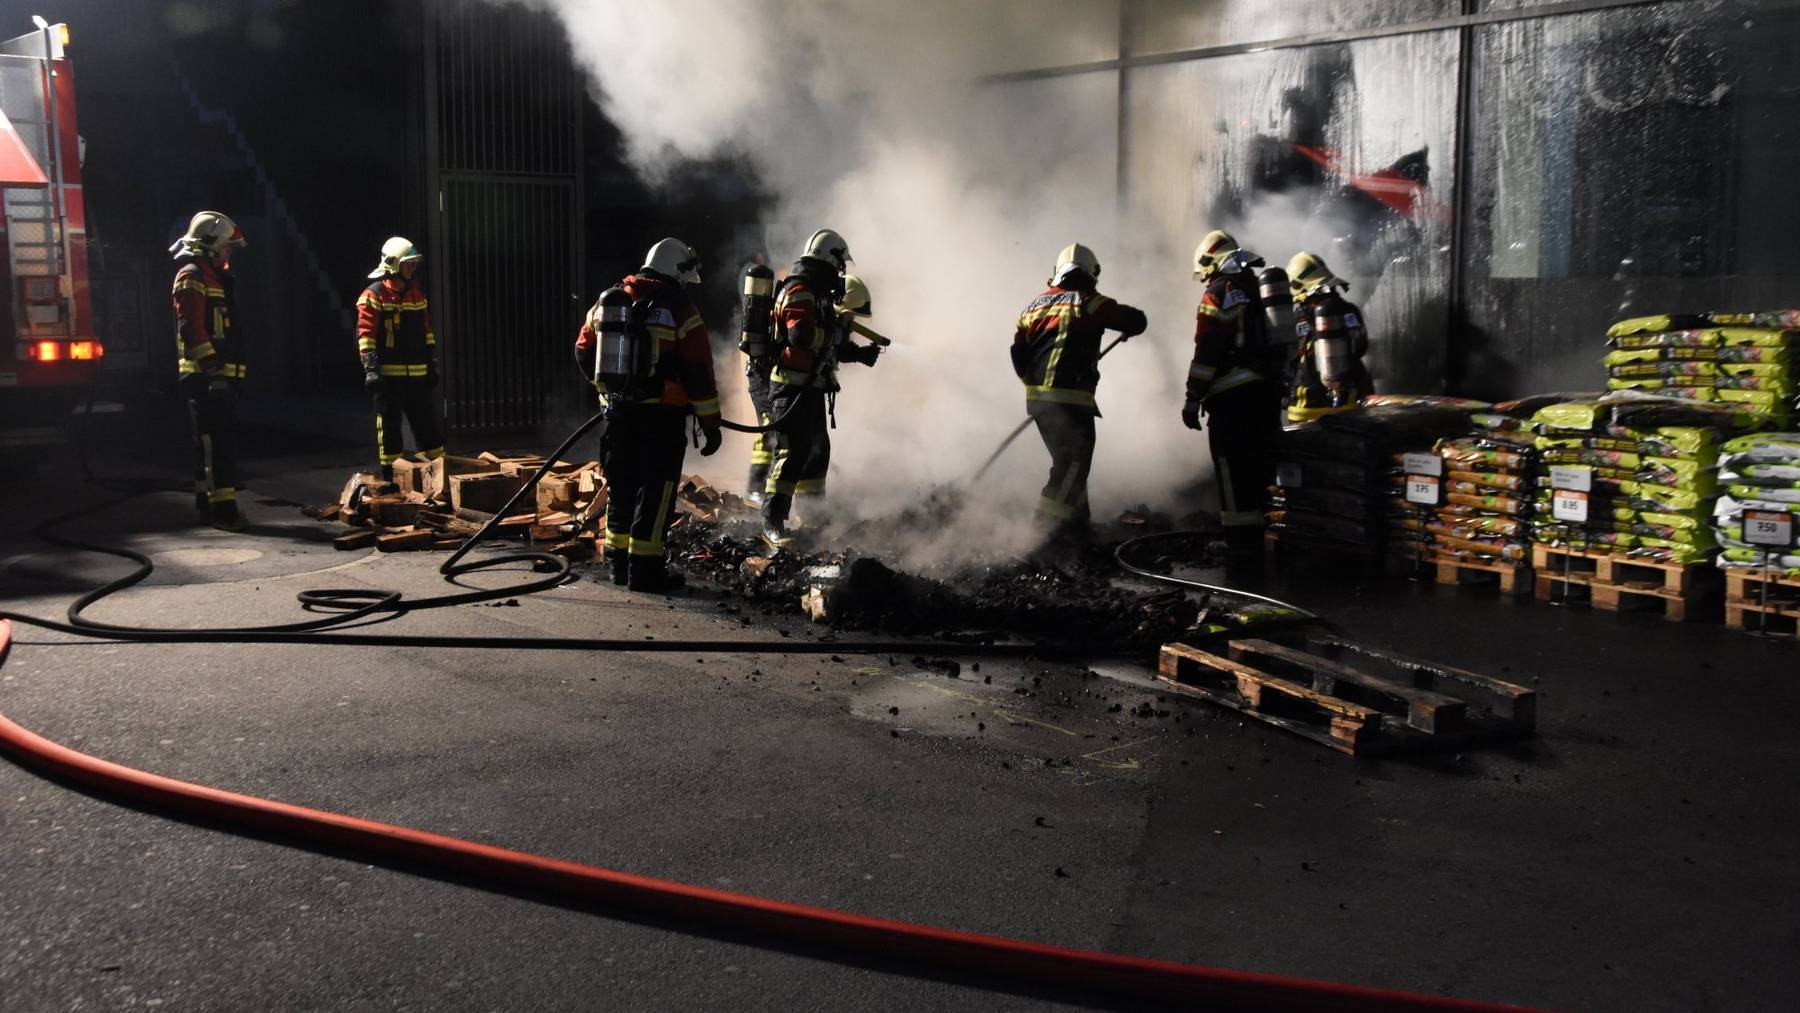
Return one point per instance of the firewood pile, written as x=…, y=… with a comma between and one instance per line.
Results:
x=440, y=504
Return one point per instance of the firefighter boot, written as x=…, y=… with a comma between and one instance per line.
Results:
x=651, y=576
x=620, y=564
x=202, y=506
x=226, y=517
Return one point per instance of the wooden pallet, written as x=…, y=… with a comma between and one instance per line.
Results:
x=1759, y=601
x=1775, y=620
x=1677, y=591
x=1514, y=577
x=1746, y=586
x=1383, y=703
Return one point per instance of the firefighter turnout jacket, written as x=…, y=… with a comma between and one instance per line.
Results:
x=1230, y=337
x=393, y=330
x=683, y=374
x=808, y=332
x=1326, y=322
x=206, y=338
x=1056, y=344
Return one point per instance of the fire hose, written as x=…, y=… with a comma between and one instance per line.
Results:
x=997, y=962
x=1006, y=963
x=1020, y=431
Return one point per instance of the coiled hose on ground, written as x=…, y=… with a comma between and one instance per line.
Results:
x=991, y=961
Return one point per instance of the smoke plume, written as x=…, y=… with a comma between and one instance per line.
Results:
x=954, y=196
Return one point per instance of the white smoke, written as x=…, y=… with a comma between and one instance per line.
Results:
x=954, y=196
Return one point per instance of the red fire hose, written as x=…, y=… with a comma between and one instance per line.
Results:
x=1007, y=962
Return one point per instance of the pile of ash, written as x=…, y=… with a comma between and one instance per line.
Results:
x=851, y=575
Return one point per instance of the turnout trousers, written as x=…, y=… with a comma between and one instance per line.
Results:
x=213, y=417
x=1068, y=432
x=641, y=454
x=1241, y=427
x=761, y=456
x=416, y=402
x=801, y=450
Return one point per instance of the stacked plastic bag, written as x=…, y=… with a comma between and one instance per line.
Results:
x=1489, y=476
x=1747, y=359
x=1336, y=480
x=1653, y=467
x=1758, y=473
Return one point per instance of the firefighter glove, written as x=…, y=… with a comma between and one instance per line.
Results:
x=1190, y=415
x=865, y=354
x=712, y=437
x=431, y=374
x=220, y=385
x=373, y=381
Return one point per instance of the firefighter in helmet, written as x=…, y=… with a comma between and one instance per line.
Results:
x=1232, y=381
x=1329, y=373
x=646, y=350
x=211, y=355
x=810, y=335
x=1055, y=353
x=399, y=355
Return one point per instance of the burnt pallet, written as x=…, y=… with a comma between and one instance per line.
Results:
x=1382, y=703
x=1512, y=576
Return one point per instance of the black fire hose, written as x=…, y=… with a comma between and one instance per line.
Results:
x=1126, y=547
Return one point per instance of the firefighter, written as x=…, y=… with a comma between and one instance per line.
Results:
x=211, y=358
x=1329, y=371
x=646, y=350
x=811, y=335
x=399, y=355
x=854, y=303
x=753, y=341
x=1055, y=352
x=1233, y=381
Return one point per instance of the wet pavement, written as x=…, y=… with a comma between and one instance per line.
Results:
x=1637, y=855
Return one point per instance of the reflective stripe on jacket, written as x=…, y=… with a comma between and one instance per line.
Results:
x=684, y=361
x=206, y=339
x=1230, y=337
x=393, y=328
x=1057, y=343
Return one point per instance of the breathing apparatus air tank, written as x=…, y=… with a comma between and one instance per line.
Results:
x=1278, y=312
x=759, y=307
x=622, y=358
x=1333, y=359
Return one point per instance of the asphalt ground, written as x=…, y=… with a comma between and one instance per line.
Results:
x=1637, y=855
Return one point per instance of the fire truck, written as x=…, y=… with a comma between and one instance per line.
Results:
x=49, y=353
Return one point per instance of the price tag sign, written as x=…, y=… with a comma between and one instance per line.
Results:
x=1287, y=475
x=1424, y=464
x=1773, y=529
x=1425, y=490
x=1569, y=505
x=1575, y=477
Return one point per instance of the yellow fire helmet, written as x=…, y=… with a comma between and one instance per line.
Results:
x=208, y=234
x=856, y=297
x=395, y=252
x=1075, y=257
x=1212, y=252
x=1307, y=273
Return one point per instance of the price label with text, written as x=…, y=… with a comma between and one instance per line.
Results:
x=1425, y=490
x=1287, y=475
x=1569, y=505
x=1424, y=464
x=1773, y=529
x=1575, y=477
